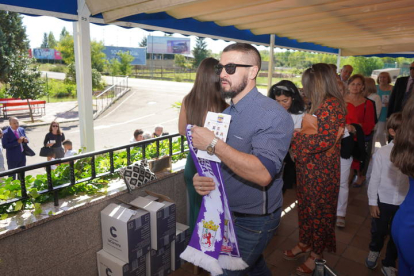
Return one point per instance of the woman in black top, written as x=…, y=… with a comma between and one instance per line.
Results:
x=54, y=140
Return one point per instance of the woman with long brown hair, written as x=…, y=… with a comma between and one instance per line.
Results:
x=402, y=155
x=204, y=96
x=318, y=167
x=54, y=139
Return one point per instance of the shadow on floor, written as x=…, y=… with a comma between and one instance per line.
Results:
x=352, y=241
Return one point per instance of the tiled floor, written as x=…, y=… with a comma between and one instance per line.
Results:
x=352, y=241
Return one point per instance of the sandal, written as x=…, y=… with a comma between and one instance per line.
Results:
x=304, y=270
x=288, y=254
x=340, y=222
x=359, y=182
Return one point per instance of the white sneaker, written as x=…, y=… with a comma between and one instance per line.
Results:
x=372, y=260
x=389, y=271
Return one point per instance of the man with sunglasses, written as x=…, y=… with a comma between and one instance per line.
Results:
x=402, y=90
x=252, y=157
x=13, y=138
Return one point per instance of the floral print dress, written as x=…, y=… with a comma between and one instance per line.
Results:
x=318, y=174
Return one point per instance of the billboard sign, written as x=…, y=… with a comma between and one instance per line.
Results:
x=46, y=53
x=139, y=54
x=168, y=45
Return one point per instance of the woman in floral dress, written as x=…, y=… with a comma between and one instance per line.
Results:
x=318, y=168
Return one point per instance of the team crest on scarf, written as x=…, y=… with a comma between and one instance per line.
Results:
x=209, y=234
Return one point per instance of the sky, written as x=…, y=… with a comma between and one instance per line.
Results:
x=111, y=35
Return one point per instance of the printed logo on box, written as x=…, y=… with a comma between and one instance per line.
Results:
x=108, y=271
x=112, y=230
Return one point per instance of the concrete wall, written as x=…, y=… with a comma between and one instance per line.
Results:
x=66, y=244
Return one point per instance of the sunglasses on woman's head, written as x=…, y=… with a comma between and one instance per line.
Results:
x=230, y=68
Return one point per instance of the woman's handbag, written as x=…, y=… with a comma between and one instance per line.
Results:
x=28, y=151
x=309, y=124
x=45, y=151
x=137, y=174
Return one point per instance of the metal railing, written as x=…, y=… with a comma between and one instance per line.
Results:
x=91, y=157
x=105, y=99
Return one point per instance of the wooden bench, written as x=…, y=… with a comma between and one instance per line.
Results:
x=19, y=105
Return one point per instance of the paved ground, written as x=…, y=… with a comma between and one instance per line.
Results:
x=352, y=241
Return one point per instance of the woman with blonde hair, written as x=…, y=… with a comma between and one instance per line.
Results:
x=204, y=96
x=384, y=89
x=402, y=155
x=318, y=167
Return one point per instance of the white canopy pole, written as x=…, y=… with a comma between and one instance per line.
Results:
x=82, y=45
x=338, y=61
x=271, y=63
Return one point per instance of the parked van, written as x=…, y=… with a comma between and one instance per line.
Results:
x=394, y=72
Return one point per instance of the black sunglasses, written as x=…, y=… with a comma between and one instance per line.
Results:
x=230, y=68
x=411, y=68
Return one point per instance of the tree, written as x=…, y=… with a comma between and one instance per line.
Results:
x=265, y=55
x=114, y=67
x=97, y=55
x=143, y=42
x=63, y=33
x=45, y=43
x=71, y=77
x=12, y=39
x=51, y=41
x=363, y=65
x=181, y=61
x=25, y=78
x=125, y=63
x=200, y=51
x=65, y=47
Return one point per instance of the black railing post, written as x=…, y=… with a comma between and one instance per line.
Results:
x=111, y=161
x=128, y=156
x=170, y=146
x=23, y=184
x=93, y=169
x=158, y=147
x=50, y=185
x=182, y=144
x=143, y=151
x=72, y=172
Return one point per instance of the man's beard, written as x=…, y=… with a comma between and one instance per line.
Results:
x=233, y=92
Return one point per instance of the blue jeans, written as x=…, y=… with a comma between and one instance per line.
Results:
x=253, y=235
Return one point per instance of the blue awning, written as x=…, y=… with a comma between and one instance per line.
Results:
x=293, y=22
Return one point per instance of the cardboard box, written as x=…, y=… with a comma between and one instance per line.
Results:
x=109, y=265
x=158, y=262
x=125, y=232
x=163, y=218
x=182, y=238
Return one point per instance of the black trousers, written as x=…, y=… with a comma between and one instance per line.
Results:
x=380, y=228
x=289, y=173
